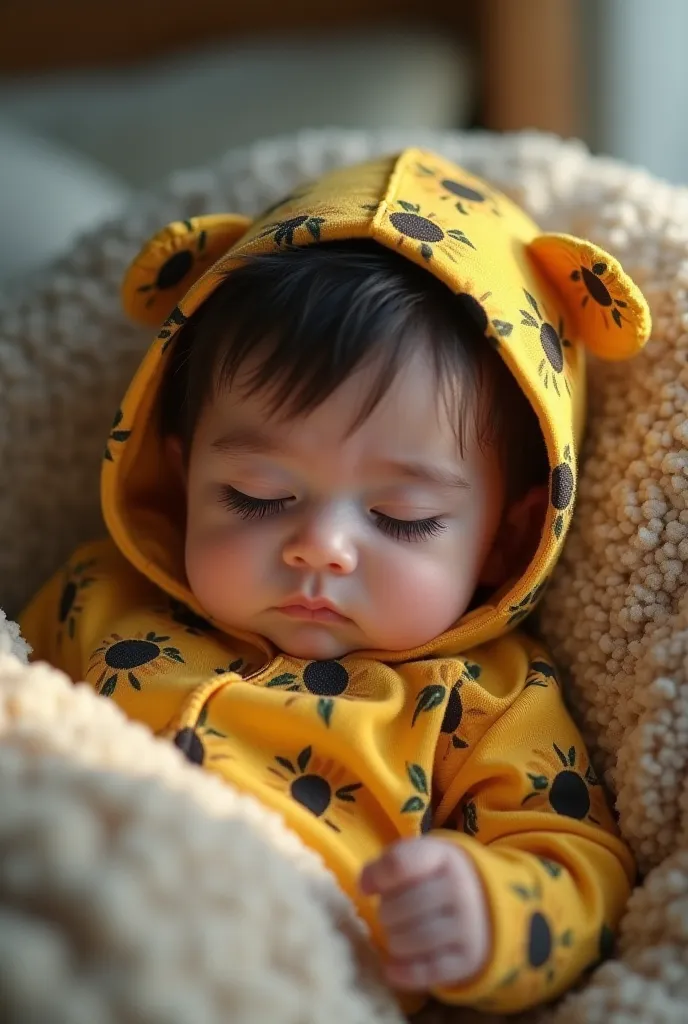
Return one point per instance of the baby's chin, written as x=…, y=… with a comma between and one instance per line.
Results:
x=313, y=643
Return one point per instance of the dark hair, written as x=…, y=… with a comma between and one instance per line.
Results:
x=312, y=315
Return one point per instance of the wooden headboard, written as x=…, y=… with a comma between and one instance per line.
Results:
x=528, y=49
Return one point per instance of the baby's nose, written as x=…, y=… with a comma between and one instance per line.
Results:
x=317, y=550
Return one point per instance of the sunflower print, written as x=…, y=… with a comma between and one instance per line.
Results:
x=192, y=741
x=465, y=197
x=169, y=326
x=318, y=784
x=324, y=680
x=182, y=615
x=131, y=659
x=562, y=491
x=552, y=366
x=546, y=942
x=523, y=608
x=562, y=781
x=306, y=225
x=469, y=815
x=189, y=249
x=116, y=436
x=413, y=227
x=78, y=578
x=597, y=284
x=541, y=674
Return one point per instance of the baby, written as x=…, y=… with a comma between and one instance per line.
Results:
x=339, y=480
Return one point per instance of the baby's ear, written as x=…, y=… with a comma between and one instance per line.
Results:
x=173, y=260
x=174, y=453
x=607, y=313
x=517, y=538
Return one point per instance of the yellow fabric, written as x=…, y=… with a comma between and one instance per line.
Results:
x=468, y=737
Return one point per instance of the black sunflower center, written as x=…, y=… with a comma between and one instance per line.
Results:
x=562, y=486
x=312, y=792
x=174, y=269
x=463, y=191
x=127, y=654
x=189, y=742
x=569, y=795
x=452, y=712
x=551, y=343
x=325, y=678
x=67, y=600
x=539, y=940
x=597, y=288
x=414, y=226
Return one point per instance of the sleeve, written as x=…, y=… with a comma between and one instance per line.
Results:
x=72, y=611
x=524, y=803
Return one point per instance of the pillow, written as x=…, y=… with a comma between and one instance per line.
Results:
x=48, y=195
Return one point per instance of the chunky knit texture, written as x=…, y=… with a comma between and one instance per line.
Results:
x=152, y=860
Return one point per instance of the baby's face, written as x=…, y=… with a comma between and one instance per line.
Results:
x=326, y=541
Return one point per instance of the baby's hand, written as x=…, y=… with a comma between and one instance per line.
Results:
x=434, y=912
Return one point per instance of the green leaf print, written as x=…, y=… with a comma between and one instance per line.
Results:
x=282, y=680
x=313, y=225
x=303, y=758
x=133, y=680
x=426, y=251
x=418, y=778
x=551, y=867
x=459, y=236
x=346, y=793
x=539, y=781
x=533, y=303
x=409, y=207
x=521, y=891
x=562, y=756
x=108, y=687
x=429, y=697
x=414, y=803
x=325, y=707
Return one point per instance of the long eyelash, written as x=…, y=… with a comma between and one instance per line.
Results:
x=409, y=530
x=250, y=508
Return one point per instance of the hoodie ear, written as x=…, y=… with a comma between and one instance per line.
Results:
x=607, y=312
x=173, y=260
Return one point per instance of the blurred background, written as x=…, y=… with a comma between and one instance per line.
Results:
x=99, y=98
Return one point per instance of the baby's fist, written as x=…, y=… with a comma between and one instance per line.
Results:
x=433, y=911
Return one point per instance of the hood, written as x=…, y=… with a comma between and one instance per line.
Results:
x=542, y=300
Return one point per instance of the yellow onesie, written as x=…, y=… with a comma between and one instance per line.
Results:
x=466, y=738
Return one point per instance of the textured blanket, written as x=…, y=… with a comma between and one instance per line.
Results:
x=123, y=869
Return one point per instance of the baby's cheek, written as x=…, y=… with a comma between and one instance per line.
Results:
x=220, y=572
x=420, y=599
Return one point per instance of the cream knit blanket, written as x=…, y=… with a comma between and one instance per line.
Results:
x=119, y=886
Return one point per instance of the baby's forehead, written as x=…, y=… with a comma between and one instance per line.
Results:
x=413, y=412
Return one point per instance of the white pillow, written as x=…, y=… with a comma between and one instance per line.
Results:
x=48, y=195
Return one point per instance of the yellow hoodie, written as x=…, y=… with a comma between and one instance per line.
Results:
x=466, y=738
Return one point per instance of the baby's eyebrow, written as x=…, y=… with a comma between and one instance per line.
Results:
x=428, y=473
x=246, y=442
x=252, y=441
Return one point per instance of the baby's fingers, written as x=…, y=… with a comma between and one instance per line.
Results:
x=423, y=938
x=407, y=862
x=449, y=967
